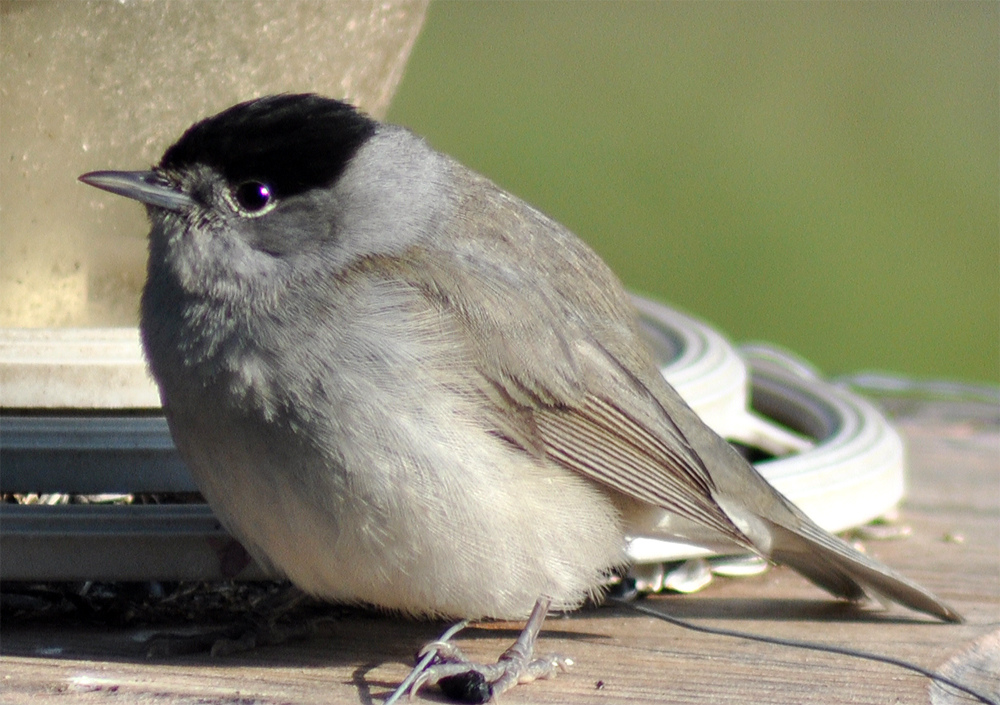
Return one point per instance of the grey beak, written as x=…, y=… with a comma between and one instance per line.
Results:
x=144, y=186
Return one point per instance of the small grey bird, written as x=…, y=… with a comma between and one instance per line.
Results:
x=400, y=385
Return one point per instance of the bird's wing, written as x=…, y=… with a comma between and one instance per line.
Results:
x=556, y=341
x=558, y=348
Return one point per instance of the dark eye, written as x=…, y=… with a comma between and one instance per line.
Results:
x=252, y=196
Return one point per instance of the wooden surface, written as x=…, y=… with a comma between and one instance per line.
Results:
x=953, y=508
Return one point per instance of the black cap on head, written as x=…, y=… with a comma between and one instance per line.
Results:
x=291, y=142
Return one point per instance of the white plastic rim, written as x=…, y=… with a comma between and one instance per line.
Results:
x=700, y=364
x=853, y=472
x=104, y=368
x=856, y=472
x=74, y=368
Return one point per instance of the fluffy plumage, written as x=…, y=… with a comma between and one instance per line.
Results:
x=401, y=385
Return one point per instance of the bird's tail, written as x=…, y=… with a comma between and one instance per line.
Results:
x=844, y=571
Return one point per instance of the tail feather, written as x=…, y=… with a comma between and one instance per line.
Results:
x=837, y=567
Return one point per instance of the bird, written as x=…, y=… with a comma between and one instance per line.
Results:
x=399, y=385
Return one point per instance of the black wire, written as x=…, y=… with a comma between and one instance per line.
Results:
x=841, y=650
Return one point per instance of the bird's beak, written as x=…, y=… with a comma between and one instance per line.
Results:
x=144, y=186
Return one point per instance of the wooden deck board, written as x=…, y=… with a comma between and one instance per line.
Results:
x=621, y=656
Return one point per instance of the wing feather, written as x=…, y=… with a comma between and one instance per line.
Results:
x=560, y=368
x=596, y=441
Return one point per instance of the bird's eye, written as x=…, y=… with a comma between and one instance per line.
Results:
x=252, y=196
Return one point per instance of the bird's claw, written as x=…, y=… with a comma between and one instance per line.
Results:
x=443, y=664
x=462, y=680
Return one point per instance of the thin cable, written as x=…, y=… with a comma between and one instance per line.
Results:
x=841, y=650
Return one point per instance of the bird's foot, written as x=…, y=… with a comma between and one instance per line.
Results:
x=462, y=680
x=443, y=664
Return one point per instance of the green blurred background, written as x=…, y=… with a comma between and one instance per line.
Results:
x=825, y=176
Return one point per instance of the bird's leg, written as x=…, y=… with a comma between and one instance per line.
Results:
x=460, y=679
